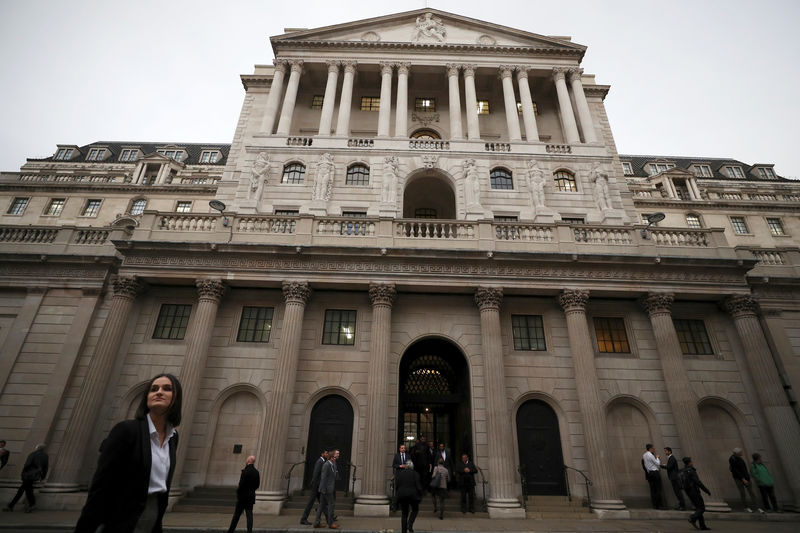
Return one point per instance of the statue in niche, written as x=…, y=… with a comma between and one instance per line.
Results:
x=602, y=195
x=390, y=171
x=472, y=184
x=429, y=26
x=536, y=184
x=324, y=181
x=258, y=175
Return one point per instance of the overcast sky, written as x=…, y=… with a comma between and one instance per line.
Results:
x=691, y=78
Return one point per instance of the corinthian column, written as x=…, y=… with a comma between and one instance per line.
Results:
x=471, y=102
x=780, y=417
x=510, y=103
x=279, y=401
x=329, y=100
x=274, y=97
x=66, y=474
x=346, y=99
x=401, y=113
x=682, y=398
x=385, y=109
x=503, y=502
x=454, y=103
x=585, y=116
x=565, y=105
x=373, y=500
x=528, y=114
x=573, y=302
x=289, y=99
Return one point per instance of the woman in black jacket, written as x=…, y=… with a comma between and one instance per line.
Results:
x=409, y=493
x=130, y=487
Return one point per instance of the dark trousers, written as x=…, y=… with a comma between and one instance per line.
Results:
x=406, y=520
x=248, y=511
x=438, y=500
x=310, y=505
x=676, y=488
x=326, y=503
x=467, y=492
x=699, y=509
x=654, y=479
x=768, y=496
x=27, y=488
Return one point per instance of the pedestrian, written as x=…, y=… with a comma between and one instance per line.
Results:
x=444, y=453
x=4, y=454
x=246, y=494
x=409, y=494
x=652, y=468
x=35, y=469
x=741, y=476
x=327, y=491
x=400, y=458
x=420, y=459
x=764, y=482
x=466, y=474
x=314, y=487
x=130, y=488
x=672, y=473
x=692, y=485
x=439, y=487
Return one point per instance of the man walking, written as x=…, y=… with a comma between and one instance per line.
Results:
x=674, y=479
x=652, y=468
x=692, y=485
x=314, y=487
x=327, y=491
x=246, y=494
x=741, y=477
x=35, y=469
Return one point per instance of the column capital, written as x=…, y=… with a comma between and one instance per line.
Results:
x=280, y=65
x=452, y=69
x=210, y=289
x=488, y=298
x=386, y=67
x=573, y=300
x=333, y=65
x=656, y=303
x=469, y=70
x=350, y=66
x=506, y=71
x=522, y=72
x=403, y=67
x=559, y=72
x=128, y=287
x=382, y=294
x=296, y=65
x=296, y=292
x=741, y=305
x=575, y=74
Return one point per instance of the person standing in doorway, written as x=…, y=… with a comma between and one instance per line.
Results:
x=741, y=477
x=314, y=487
x=35, y=469
x=692, y=485
x=466, y=473
x=672, y=473
x=327, y=491
x=652, y=469
x=246, y=494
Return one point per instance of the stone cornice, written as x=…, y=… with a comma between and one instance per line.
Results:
x=449, y=47
x=256, y=80
x=597, y=91
x=49, y=186
x=750, y=205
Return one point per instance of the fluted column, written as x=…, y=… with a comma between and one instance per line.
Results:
x=373, y=500
x=682, y=398
x=510, y=103
x=401, y=114
x=604, y=487
x=778, y=413
x=346, y=99
x=289, y=99
x=329, y=100
x=585, y=116
x=274, y=98
x=528, y=113
x=565, y=105
x=503, y=500
x=385, y=109
x=66, y=474
x=454, y=102
x=471, y=102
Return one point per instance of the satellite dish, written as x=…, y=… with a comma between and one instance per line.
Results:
x=652, y=219
x=217, y=205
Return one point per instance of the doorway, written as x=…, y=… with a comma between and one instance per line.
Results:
x=330, y=426
x=540, y=455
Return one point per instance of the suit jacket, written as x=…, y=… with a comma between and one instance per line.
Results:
x=315, y=476
x=118, y=492
x=397, y=462
x=467, y=478
x=672, y=468
x=248, y=484
x=327, y=480
x=36, y=465
x=408, y=486
x=448, y=459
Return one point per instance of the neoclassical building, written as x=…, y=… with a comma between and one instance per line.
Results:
x=422, y=226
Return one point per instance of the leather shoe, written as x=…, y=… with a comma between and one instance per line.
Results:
x=704, y=528
x=334, y=526
x=305, y=523
x=318, y=525
x=692, y=521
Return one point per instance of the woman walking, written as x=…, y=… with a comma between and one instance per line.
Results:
x=439, y=488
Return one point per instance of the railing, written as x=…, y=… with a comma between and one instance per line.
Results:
x=28, y=235
x=427, y=144
x=263, y=224
x=558, y=149
x=180, y=222
x=288, y=477
x=91, y=236
x=357, y=227
x=485, y=506
x=769, y=257
x=523, y=232
x=667, y=237
x=299, y=141
x=497, y=147
x=586, y=481
x=360, y=143
x=427, y=229
x=589, y=235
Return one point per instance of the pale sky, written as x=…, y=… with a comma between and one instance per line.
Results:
x=688, y=78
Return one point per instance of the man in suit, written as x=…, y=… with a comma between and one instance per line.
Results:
x=400, y=458
x=327, y=491
x=466, y=473
x=246, y=494
x=443, y=453
x=314, y=487
x=672, y=473
x=35, y=469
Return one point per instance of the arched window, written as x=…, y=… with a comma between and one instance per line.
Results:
x=357, y=174
x=138, y=205
x=293, y=173
x=565, y=181
x=693, y=221
x=424, y=212
x=501, y=179
x=425, y=134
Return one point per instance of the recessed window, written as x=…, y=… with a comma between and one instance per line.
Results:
x=425, y=104
x=370, y=103
x=483, y=107
x=535, y=108
x=693, y=221
x=506, y=218
x=500, y=178
x=766, y=173
x=316, y=101
x=172, y=321
x=177, y=155
x=209, y=156
x=735, y=172
x=18, y=206
x=528, y=332
x=357, y=174
x=92, y=208
x=425, y=134
x=255, y=325
x=137, y=207
x=702, y=171
x=55, y=206
x=775, y=227
x=565, y=181
x=424, y=212
x=63, y=154
x=573, y=220
x=739, y=225
x=611, y=336
x=655, y=168
x=340, y=327
x=128, y=155
x=96, y=154
x=693, y=337
x=627, y=168
x=183, y=206
x=293, y=173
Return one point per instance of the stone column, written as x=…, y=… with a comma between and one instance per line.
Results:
x=510, y=103
x=373, y=500
x=503, y=502
x=346, y=99
x=66, y=474
x=279, y=402
x=528, y=113
x=385, y=109
x=274, y=97
x=565, y=105
x=604, y=487
x=585, y=116
x=780, y=417
x=471, y=102
x=329, y=100
x=682, y=398
x=289, y=99
x=401, y=114
x=454, y=102
x=694, y=192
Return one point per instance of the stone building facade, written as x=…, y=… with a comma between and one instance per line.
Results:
x=422, y=227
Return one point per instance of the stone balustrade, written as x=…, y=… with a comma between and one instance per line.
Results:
x=559, y=149
x=299, y=141
x=605, y=236
x=352, y=227
x=360, y=143
x=91, y=236
x=428, y=144
x=680, y=237
x=523, y=232
x=769, y=257
x=188, y=222
x=497, y=147
x=266, y=224
x=28, y=234
x=434, y=229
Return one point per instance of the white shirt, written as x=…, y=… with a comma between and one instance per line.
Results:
x=650, y=462
x=159, y=465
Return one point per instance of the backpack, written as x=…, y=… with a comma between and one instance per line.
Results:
x=684, y=480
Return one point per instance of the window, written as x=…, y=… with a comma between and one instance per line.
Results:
x=425, y=134
x=611, y=336
x=209, y=156
x=693, y=337
x=693, y=221
x=96, y=154
x=177, y=155
x=293, y=173
x=739, y=225
x=340, y=327
x=500, y=178
x=172, y=321
x=317, y=101
x=735, y=172
x=137, y=207
x=55, y=206
x=357, y=174
x=702, y=171
x=183, y=206
x=565, y=181
x=18, y=206
x=573, y=220
x=505, y=218
x=128, y=155
x=425, y=104
x=255, y=325
x=92, y=208
x=483, y=107
x=775, y=227
x=766, y=173
x=424, y=212
x=535, y=108
x=655, y=168
x=528, y=332
x=63, y=154
x=370, y=103
x=627, y=168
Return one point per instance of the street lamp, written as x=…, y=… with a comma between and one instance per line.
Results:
x=652, y=219
x=216, y=205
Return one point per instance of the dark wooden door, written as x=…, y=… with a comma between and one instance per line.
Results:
x=331, y=426
x=539, y=443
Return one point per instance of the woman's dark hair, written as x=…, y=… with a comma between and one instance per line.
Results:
x=174, y=411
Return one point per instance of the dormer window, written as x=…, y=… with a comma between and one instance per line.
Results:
x=735, y=172
x=766, y=173
x=209, y=156
x=177, y=155
x=96, y=154
x=627, y=168
x=702, y=171
x=129, y=154
x=655, y=168
x=63, y=154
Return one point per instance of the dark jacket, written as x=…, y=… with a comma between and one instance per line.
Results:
x=327, y=479
x=397, y=463
x=672, y=468
x=36, y=465
x=4, y=455
x=118, y=492
x=408, y=486
x=315, y=476
x=248, y=484
x=692, y=484
x=467, y=479
x=738, y=468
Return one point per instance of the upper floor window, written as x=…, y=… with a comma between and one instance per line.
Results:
x=138, y=205
x=483, y=107
x=424, y=212
x=735, y=172
x=55, y=206
x=425, y=104
x=255, y=325
x=183, y=206
x=172, y=321
x=655, y=168
x=293, y=173
x=500, y=178
x=18, y=206
x=177, y=155
x=317, y=101
x=766, y=173
x=573, y=220
x=611, y=335
x=209, y=156
x=739, y=225
x=627, y=168
x=92, y=208
x=693, y=337
x=370, y=103
x=565, y=181
x=528, y=332
x=775, y=227
x=129, y=155
x=702, y=171
x=340, y=327
x=63, y=154
x=425, y=134
x=357, y=174
x=535, y=108
x=693, y=221
x=96, y=154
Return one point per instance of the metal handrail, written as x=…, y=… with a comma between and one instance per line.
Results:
x=289, y=478
x=348, y=466
x=483, y=489
x=523, y=482
x=586, y=481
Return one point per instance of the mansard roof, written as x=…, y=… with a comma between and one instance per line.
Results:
x=193, y=151
x=639, y=162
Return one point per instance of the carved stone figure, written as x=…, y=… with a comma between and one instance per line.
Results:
x=429, y=26
x=536, y=184
x=324, y=180
x=258, y=175
x=390, y=171
x=602, y=196
x=472, y=184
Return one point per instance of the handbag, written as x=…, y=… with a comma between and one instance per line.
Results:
x=436, y=481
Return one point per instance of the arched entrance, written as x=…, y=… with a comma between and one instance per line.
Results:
x=235, y=437
x=330, y=426
x=435, y=396
x=717, y=421
x=429, y=196
x=540, y=455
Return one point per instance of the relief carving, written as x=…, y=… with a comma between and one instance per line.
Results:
x=429, y=26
